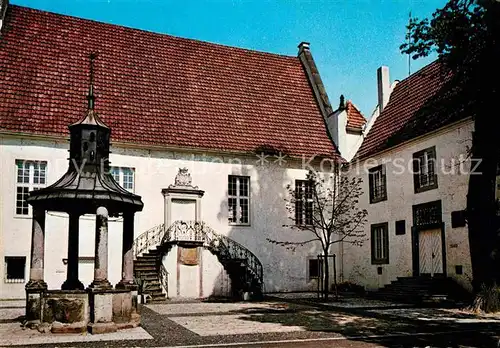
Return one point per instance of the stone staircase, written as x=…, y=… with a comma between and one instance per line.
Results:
x=146, y=267
x=421, y=290
x=243, y=267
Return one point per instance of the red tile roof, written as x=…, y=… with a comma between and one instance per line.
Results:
x=418, y=105
x=355, y=118
x=154, y=89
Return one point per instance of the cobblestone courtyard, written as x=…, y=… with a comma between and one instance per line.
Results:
x=281, y=321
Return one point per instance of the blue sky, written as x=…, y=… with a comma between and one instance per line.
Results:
x=349, y=39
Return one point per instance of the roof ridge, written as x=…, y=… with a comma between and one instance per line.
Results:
x=419, y=71
x=245, y=99
x=408, y=113
x=248, y=50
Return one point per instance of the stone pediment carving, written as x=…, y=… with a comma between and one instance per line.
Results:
x=183, y=180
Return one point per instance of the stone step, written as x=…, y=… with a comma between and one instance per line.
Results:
x=155, y=292
x=409, y=288
x=145, y=263
x=150, y=255
x=142, y=268
x=409, y=291
x=158, y=300
x=147, y=277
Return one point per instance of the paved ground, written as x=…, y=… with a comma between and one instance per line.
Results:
x=279, y=322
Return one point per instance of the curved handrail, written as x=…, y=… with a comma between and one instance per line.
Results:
x=164, y=278
x=226, y=248
x=148, y=240
x=197, y=231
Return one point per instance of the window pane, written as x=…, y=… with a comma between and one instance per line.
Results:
x=232, y=210
x=298, y=212
x=380, y=244
x=39, y=170
x=231, y=187
x=244, y=210
x=128, y=178
x=243, y=187
x=115, y=172
x=36, y=174
x=23, y=172
x=308, y=190
x=21, y=203
x=309, y=213
x=377, y=183
x=43, y=173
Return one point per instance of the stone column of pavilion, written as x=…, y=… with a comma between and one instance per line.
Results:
x=101, y=250
x=72, y=282
x=37, y=250
x=127, y=280
x=36, y=286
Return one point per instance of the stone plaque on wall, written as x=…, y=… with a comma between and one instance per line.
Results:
x=188, y=256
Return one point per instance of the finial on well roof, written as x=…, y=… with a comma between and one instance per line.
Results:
x=342, y=102
x=90, y=95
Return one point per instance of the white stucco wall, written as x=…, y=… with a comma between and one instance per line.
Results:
x=154, y=170
x=216, y=281
x=352, y=143
x=347, y=142
x=450, y=145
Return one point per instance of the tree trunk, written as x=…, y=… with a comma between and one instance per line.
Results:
x=326, y=273
x=481, y=208
x=484, y=240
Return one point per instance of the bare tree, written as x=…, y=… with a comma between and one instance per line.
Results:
x=325, y=208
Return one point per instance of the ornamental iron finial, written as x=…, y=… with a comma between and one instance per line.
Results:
x=90, y=95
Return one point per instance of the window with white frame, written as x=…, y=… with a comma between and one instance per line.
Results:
x=124, y=176
x=238, y=192
x=31, y=175
x=15, y=269
x=303, y=202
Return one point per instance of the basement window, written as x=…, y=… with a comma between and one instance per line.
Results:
x=15, y=269
x=313, y=268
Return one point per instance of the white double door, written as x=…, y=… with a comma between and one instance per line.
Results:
x=430, y=252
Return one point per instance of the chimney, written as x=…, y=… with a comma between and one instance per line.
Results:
x=3, y=9
x=384, y=87
x=303, y=46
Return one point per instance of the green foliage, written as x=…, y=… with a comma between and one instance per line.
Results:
x=466, y=36
x=487, y=299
